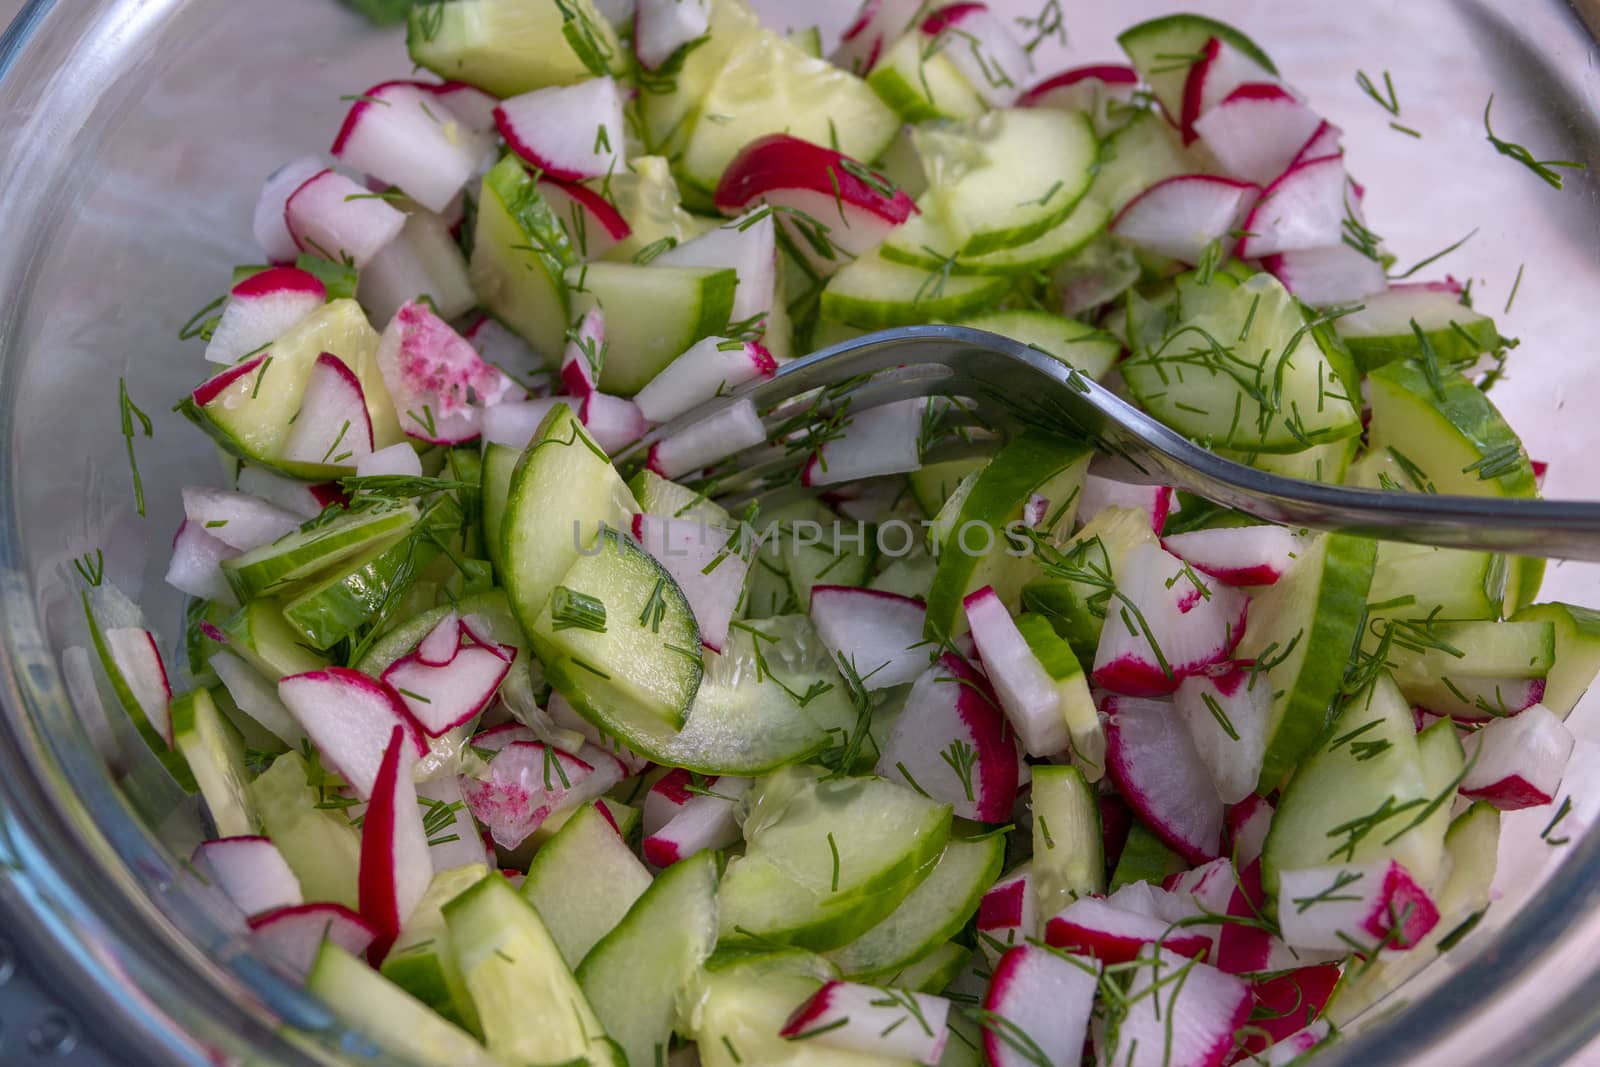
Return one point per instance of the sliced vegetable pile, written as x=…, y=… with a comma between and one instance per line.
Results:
x=949, y=750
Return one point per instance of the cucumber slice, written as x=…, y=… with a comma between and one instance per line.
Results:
x=934, y=912
x=420, y=961
x=789, y=887
x=1145, y=858
x=769, y=86
x=1008, y=177
x=1055, y=655
x=404, y=1026
x=653, y=314
x=934, y=972
x=171, y=759
x=1328, y=464
x=314, y=548
x=507, y=47
x=637, y=974
x=1090, y=351
x=1069, y=859
x=369, y=586
x=934, y=483
x=1164, y=49
x=215, y=754
x=1576, y=633
x=562, y=492
x=499, y=464
x=670, y=106
x=1357, y=796
x=1381, y=331
x=646, y=194
x=1305, y=629
x=319, y=844
x=1142, y=153
x=583, y=881
x=659, y=496
x=260, y=634
x=922, y=84
x=833, y=560
x=531, y=1007
x=520, y=254
x=1443, y=758
x=1274, y=391
x=1076, y=608
x=641, y=661
x=251, y=416
x=917, y=243
x=874, y=294
x=1415, y=582
x=998, y=494
x=808, y=40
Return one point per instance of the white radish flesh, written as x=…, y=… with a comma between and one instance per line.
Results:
x=705, y=564
x=1376, y=905
x=570, y=132
x=395, y=868
x=879, y=634
x=892, y=1024
x=1028, y=694
x=397, y=133
x=1046, y=1000
x=874, y=442
x=1172, y=624
x=294, y=935
x=705, y=821
x=334, y=217
x=251, y=871
x=1181, y=216
x=1257, y=131
x=710, y=366
x=350, y=717
x=1518, y=762
x=746, y=245
x=1152, y=759
x=1305, y=208
x=196, y=566
x=333, y=424
x=731, y=430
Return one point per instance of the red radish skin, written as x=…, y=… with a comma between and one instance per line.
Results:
x=1324, y=142
x=334, y=424
x=349, y=716
x=1179, y=217
x=294, y=935
x=476, y=631
x=394, y=869
x=570, y=132
x=955, y=742
x=1091, y=927
x=593, y=223
x=1100, y=493
x=708, y=367
x=668, y=796
x=1047, y=997
x=438, y=381
x=1518, y=762
x=251, y=871
x=1220, y=70
x=1304, y=208
x=393, y=134
x=1247, y=949
x=1285, y=1003
x=878, y=23
x=702, y=822
x=332, y=216
x=1152, y=760
x=878, y=633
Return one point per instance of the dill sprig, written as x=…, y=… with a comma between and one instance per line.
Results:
x=131, y=413
x=1548, y=170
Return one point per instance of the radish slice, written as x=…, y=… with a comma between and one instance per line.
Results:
x=669, y=796
x=1238, y=555
x=251, y=871
x=263, y=308
x=1257, y=131
x=498, y=737
x=256, y=696
x=1296, y=1047
x=703, y=822
x=879, y=634
x=1248, y=822
x=713, y=365
x=196, y=566
x=270, y=228
x=706, y=565
x=595, y=226
x=1379, y=905
x=472, y=107
x=566, y=722
x=1180, y=1013
x=1153, y=762
x=399, y=460
x=952, y=743
x=1045, y=1000
x=445, y=815
x=1324, y=142
x=395, y=868
x=613, y=421
x=861, y=207
x=980, y=45
x=731, y=430
x=424, y=260
x=1305, y=208
x=333, y=425
x=1324, y=277
x=527, y=781
x=397, y=133
x=335, y=218
x=350, y=717
x=1283, y=1003
x=138, y=658
x=1100, y=493
x=1174, y=625
x=444, y=697
x=1245, y=948
x=1095, y=928
x=1028, y=694
x=440, y=645
x=1220, y=71
x=661, y=27
x=570, y=132
x=749, y=246
x=585, y=354
x=879, y=23
x=498, y=345
x=874, y=442
x=291, y=494
x=1008, y=914
x=1205, y=890
x=890, y=1024
x=438, y=381
x=1518, y=762
x=514, y=423
x=294, y=935
x=1180, y=216
x=1084, y=89
x=1475, y=700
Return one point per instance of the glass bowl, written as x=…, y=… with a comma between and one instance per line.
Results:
x=135, y=136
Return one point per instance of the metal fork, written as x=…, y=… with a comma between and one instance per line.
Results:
x=1009, y=386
